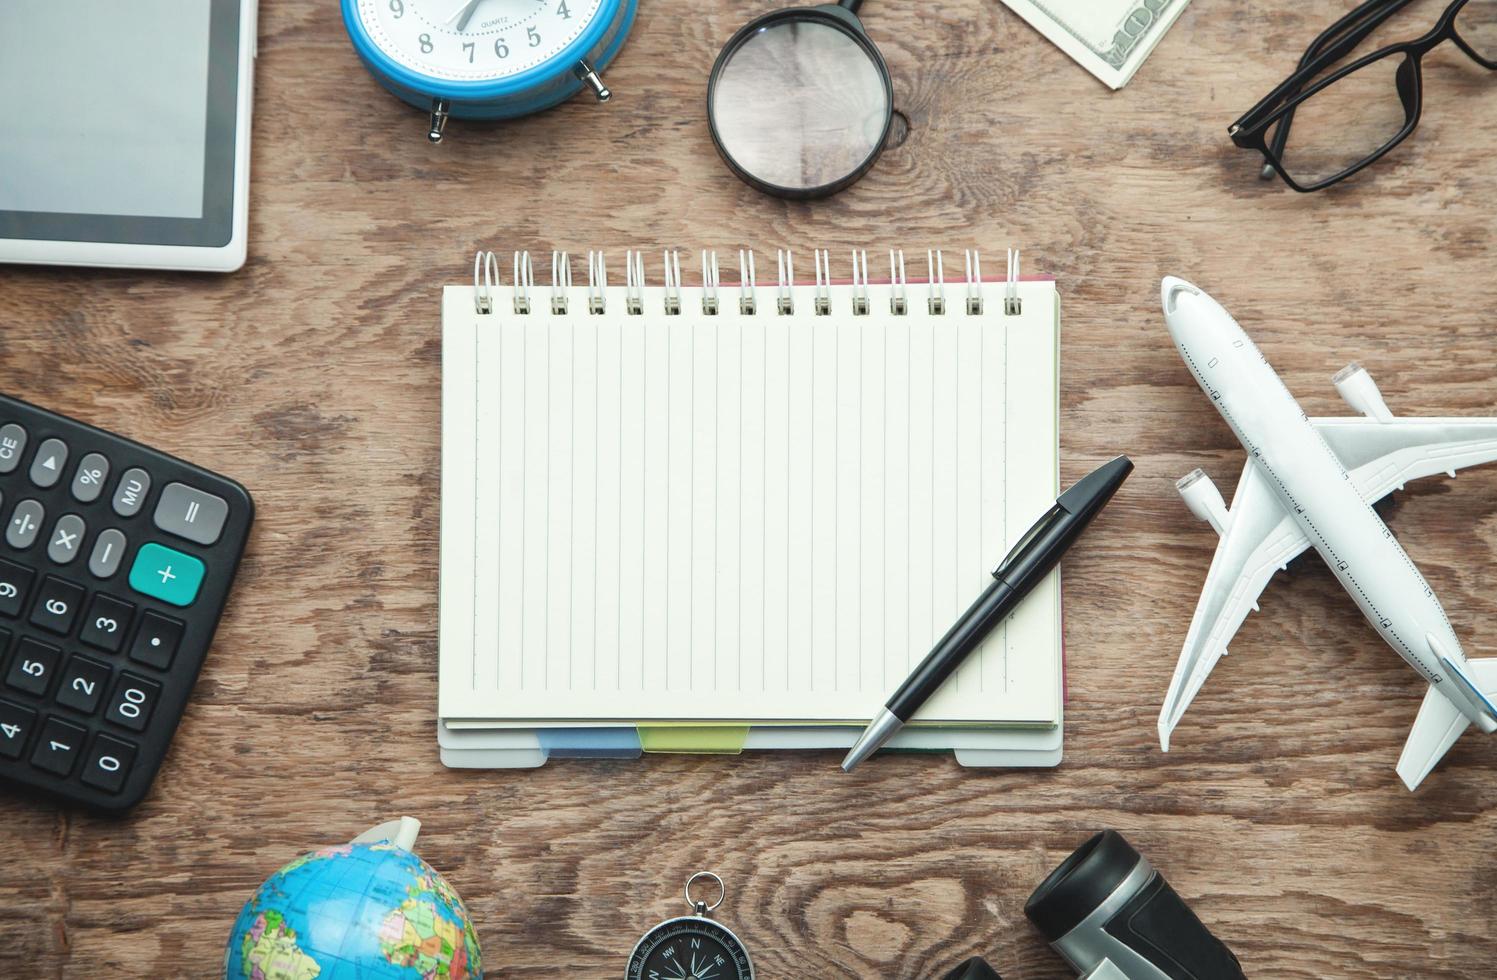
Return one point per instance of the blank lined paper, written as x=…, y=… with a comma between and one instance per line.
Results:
x=763, y=518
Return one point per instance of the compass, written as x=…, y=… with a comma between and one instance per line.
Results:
x=691, y=947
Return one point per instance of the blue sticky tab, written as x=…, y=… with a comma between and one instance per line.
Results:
x=590, y=743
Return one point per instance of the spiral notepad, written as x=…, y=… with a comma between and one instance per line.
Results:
x=740, y=503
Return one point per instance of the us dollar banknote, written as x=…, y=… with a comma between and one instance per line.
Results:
x=1109, y=38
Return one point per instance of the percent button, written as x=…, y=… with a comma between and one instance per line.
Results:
x=88, y=481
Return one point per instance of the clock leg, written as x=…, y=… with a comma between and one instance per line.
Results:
x=439, y=108
x=590, y=79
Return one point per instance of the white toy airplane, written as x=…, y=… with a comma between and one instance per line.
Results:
x=1311, y=483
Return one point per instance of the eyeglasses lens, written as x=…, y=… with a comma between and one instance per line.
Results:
x=1476, y=23
x=1349, y=120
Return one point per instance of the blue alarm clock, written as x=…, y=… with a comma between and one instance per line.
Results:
x=487, y=59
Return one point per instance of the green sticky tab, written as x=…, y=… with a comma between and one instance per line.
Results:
x=694, y=739
x=166, y=574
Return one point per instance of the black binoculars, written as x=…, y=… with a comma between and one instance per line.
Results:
x=1111, y=916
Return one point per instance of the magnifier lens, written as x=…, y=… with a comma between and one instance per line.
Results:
x=800, y=106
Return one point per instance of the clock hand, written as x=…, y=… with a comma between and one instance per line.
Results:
x=464, y=14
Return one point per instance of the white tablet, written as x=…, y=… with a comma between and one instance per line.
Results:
x=124, y=132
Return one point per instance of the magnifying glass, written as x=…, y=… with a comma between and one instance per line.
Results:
x=800, y=102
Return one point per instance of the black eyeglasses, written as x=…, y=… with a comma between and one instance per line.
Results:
x=1351, y=118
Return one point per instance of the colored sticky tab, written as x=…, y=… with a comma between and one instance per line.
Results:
x=694, y=739
x=166, y=574
x=589, y=743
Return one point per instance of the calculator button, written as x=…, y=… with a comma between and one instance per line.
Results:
x=166, y=574
x=109, y=551
x=57, y=750
x=83, y=684
x=130, y=494
x=107, y=620
x=108, y=764
x=156, y=641
x=67, y=539
x=32, y=667
x=88, y=481
x=191, y=514
x=15, y=582
x=25, y=522
x=57, y=603
x=46, y=466
x=16, y=723
x=12, y=444
x=132, y=702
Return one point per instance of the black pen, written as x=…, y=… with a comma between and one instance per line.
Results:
x=1037, y=552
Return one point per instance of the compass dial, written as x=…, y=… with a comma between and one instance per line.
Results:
x=690, y=948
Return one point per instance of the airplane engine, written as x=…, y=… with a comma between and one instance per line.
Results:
x=1203, y=499
x=1359, y=391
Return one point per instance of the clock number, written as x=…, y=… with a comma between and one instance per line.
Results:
x=468, y=47
x=500, y=48
x=425, y=40
x=561, y=8
x=535, y=38
x=397, y=7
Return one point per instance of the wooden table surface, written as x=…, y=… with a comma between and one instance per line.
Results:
x=312, y=377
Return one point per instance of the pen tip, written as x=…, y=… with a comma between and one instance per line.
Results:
x=879, y=731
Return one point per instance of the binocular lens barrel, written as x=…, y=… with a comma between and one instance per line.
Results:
x=1111, y=915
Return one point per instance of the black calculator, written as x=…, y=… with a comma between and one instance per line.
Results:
x=115, y=564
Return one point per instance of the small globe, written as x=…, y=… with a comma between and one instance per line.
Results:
x=371, y=911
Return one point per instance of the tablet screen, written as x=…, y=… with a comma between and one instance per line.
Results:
x=117, y=120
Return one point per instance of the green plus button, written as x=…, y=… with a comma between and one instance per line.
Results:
x=165, y=574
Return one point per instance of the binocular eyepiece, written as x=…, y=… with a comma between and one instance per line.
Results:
x=1111, y=916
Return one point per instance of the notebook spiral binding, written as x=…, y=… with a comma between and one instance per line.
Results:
x=487, y=283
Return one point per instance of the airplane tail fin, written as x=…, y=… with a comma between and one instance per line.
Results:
x=1440, y=723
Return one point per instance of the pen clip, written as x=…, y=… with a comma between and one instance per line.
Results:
x=1030, y=538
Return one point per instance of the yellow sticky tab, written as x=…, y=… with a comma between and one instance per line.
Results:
x=694, y=739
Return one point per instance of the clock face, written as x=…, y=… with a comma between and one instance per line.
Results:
x=690, y=948
x=475, y=40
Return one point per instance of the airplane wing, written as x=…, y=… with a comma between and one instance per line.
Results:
x=1258, y=539
x=1384, y=455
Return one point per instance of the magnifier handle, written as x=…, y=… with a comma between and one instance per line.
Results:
x=850, y=5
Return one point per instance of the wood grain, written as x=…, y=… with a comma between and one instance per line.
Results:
x=312, y=376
